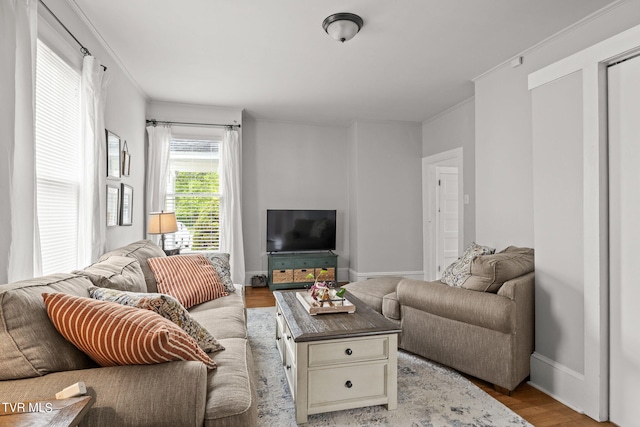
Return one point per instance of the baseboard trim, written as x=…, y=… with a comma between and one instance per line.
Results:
x=558, y=381
x=355, y=276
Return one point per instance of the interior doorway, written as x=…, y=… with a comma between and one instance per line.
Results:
x=443, y=214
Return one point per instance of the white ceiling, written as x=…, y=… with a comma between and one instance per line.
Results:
x=411, y=60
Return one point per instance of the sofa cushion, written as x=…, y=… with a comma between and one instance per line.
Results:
x=30, y=346
x=116, y=272
x=140, y=250
x=231, y=397
x=220, y=262
x=475, y=308
x=489, y=272
x=114, y=334
x=460, y=270
x=235, y=299
x=191, y=279
x=167, y=307
x=223, y=322
x=372, y=291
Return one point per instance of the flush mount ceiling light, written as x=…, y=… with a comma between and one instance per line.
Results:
x=342, y=26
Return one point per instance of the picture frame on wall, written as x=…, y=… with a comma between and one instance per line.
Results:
x=113, y=155
x=113, y=205
x=126, y=205
x=126, y=160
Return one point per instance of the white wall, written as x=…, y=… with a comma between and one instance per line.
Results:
x=559, y=242
x=386, y=166
x=504, y=175
x=452, y=129
x=292, y=166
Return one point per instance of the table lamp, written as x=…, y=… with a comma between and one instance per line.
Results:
x=162, y=223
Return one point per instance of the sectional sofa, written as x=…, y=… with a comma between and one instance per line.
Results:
x=36, y=361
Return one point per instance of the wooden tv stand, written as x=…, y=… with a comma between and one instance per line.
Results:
x=290, y=270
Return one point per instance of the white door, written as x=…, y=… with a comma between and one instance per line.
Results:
x=624, y=232
x=446, y=217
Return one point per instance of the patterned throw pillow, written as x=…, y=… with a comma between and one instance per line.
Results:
x=191, y=279
x=460, y=270
x=114, y=334
x=167, y=307
x=220, y=262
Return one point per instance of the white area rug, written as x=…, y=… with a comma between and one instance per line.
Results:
x=429, y=394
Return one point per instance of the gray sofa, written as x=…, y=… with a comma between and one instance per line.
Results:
x=485, y=330
x=36, y=361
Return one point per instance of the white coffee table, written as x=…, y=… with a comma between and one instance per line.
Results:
x=336, y=361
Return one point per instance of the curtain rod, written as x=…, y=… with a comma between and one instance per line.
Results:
x=83, y=49
x=154, y=122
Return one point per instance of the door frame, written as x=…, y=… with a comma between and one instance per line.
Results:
x=452, y=158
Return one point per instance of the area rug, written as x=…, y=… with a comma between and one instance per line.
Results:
x=429, y=394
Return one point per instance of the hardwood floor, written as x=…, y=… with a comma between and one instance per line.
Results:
x=530, y=403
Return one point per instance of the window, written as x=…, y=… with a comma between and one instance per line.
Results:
x=58, y=165
x=193, y=192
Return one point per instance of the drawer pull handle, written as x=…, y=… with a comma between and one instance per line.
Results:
x=288, y=337
x=349, y=352
x=283, y=271
x=348, y=384
x=288, y=367
x=278, y=314
x=277, y=338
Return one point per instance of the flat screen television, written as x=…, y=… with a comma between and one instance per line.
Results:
x=290, y=230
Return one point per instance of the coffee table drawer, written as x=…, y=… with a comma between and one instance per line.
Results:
x=355, y=350
x=347, y=383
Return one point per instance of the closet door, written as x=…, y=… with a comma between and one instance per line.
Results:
x=624, y=225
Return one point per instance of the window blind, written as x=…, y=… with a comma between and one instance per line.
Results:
x=58, y=165
x=193, y=193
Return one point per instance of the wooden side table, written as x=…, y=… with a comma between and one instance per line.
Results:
x=53, y=413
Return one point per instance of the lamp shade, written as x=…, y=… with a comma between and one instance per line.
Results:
x=342, y=26
x=162, y=222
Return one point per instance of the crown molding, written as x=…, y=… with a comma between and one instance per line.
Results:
x=78, y=11
x=544, y=42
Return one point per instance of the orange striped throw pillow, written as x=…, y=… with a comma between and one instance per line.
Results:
x=114, y=334
x=191, y=279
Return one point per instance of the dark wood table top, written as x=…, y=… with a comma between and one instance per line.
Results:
x=304, y=327
x=52, y=413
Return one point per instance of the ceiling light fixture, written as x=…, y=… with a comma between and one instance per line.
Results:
x=342, y=26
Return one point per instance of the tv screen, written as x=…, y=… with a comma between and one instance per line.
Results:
x=291, y=230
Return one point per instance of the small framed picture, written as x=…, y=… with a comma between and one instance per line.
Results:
x=113, y=205
x=126, y=160
x=126, y=205
x=113, y=155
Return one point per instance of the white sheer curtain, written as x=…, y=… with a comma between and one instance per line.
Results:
x=157, y=167
x=231, y=240
x=18, y=233
x=92, y=228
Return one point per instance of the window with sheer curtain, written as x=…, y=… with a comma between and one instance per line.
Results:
x=193, y=192
x=58, y=159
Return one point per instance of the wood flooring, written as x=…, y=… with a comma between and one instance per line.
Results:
x=531, y=404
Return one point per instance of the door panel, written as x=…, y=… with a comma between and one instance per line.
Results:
x=624, y=232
